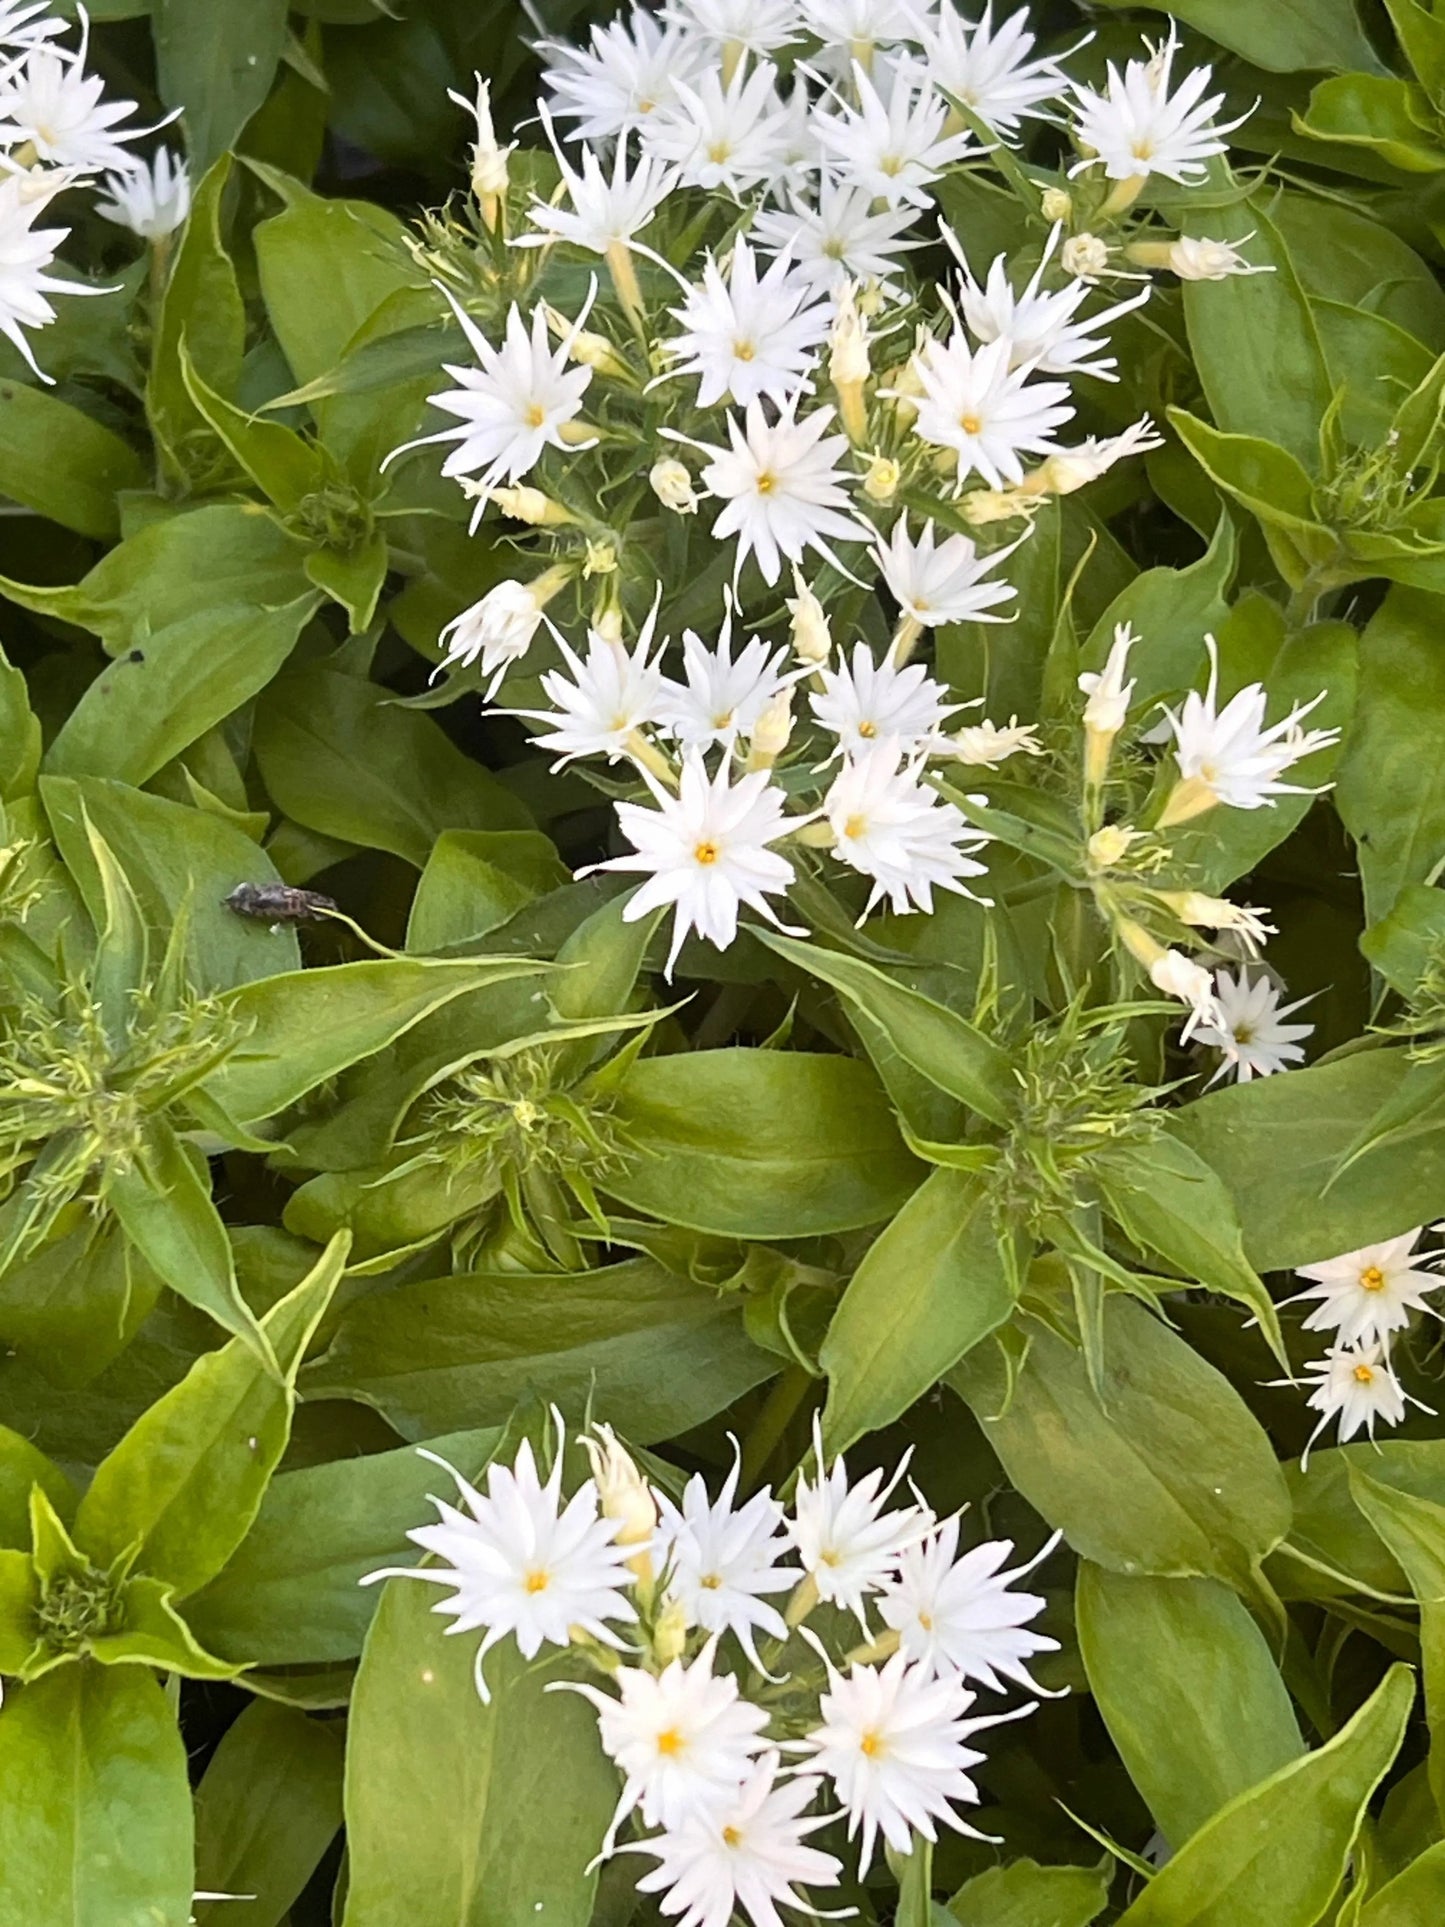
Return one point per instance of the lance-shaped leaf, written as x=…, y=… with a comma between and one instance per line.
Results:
x=23, y=1466
x=183, y=1485
x=62, y=463
x=1024, y=1894
x=1275, y=1855
x=1413, y=1528
x=937, y=1280
x=1414, y=1898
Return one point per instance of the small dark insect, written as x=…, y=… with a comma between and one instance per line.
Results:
x=277, y=903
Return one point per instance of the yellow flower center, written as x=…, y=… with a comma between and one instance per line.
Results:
x=706, y=853
x=744, y=350
x=871, y=1745
x=536, y=415
x=536, y=1582
x=719, y=151
x=732, y=1837
x=855, y=826
x=870, y=730
x=925, y=1620
x=1364, y=1374
x=970, y=424
x=710, y=1581
x=1372, y=1278
x=767, y=482
x=670, y=1742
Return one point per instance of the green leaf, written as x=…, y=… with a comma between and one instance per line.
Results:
x=218, y=63
x=184, y=1484
x=1414, y=1898
x=285, y=468
x=202, y=302
x=1402, y=945
x=20, y=1601
x=96, y=1802
x=308, y=1025
x=654, y=1353
x=19, y=734
x=340, y=757
x=1330, y=1531
x=528, y=1791
x=62, y=463
x=150, y=705
x=760, y=1144
x=355, y=578
x=475, y=880
x=1378, y=113
x=267, y=1808
x=23, y=1466
x=1413, y=1528
x=1284, y=36
x=291, y=1594
x=1188, y=1689
x=1275, y=1856
x=929, y=1288
x=1024, y=1894
x=1391, y=793
x=1296, y=1206
x=1273, y=485
x=1171, y=1475
x=152, y=1633
x=952, y=1053
x=1422, y=36
x=1171, y=612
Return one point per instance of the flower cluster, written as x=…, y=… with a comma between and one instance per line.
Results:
x=1365, y=1298
x=755, y=195
x=58, y=132
x=739, y=1729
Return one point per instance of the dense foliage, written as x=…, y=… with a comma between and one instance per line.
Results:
x=742, y=771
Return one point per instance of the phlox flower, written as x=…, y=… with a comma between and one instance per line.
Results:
x=841, y=236
x=724, y=1559
x=1229, y=756
x=152, y=201
x=1252, y=1036
x=991, y=70
x=746, y=336
x=893, y=143
x=724, y=695
x=865, y=702
x=1366, y=1296
x=1137, y=127
x=849, y=1545
x=899, y=832
x=988, y=412
x=625, y=75
x=960, y=1615
x=1040, y=324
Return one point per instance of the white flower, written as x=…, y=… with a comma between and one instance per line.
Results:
x=671, y=483
x=746, y=337
x=605, y=213
x=25, y=23
x=1137, y=128
x=151, y=201
x=1086, y=256
x=782, y=487
x=724, y=697
x=1108, y=693
x=985, y=745
x=49, y=100
x=937, y=583
x=899, y=832
x=489, y=159
x=1356, y=1386
x=522, y=1562
x=730, y=137
x=609, y=697
x=741, y=26
x=1242, y=920
x=685, y=1740
x=1199, y=260
x=957, y=1615
x=845, y=237
x=724, y=1558
x=895, y=147
x=987, y=411
x=1179, y=976
x=706, y=852
x=848, y=1544
x=1251, y=1034
x=624, y=76
x=499, y=629
x=1074, y=468
x=26, y=252
x=746, y=1854
x=1366, y=1296
x=1229, y=756
x=512, y=405
x=852, y=30
x=869, y=702
x=989, y=69
x=892, y=1741
x=1039, y=324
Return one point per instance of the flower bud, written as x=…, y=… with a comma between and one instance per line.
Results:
x=600, y=559
x=880, y=484
x=812, y=638
x=1111, y=845
x=770, y=736
x=1085, y=256
x=622, y=1492
x=589, y=350
x=1194, y=260
x=669, y=1632
x=848, y=363
x=524, y=504
x=1179, y=976
x=489, y=159
x=672, y=485
x=1057, y=204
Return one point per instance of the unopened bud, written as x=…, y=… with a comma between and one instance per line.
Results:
x=589, y=350
x=608, y=622
x=489, y=158
x=524, y=504
x=1085, y=256
x=622, y=1492
x=848, y=362
x=880, y=484
x=812, y=638
x=601, y=559
x=770, y=737
x=672, y=485
x=982, y=506
x=1057, y=204
x=1111, y=845
x=669, y=1632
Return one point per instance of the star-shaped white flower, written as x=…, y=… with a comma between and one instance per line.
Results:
x=893, y=143
x=868, y=702
x=899, y=832
x=1366, y=1296
x=984, y=409
x=1136, y=126
x=746, y=336
x=1252, y=1036
x=724, y=1559
x=959, y=1615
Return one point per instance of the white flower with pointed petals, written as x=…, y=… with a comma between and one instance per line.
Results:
x=684, y=1738
x=608, y=697
x=724, y=1559
x=730, y=137
x=854, y=30
x=1040, y=324
x=25, y=23
x=991, y=70
x=984, y=409
x=1229, y=756
x=511, y=406
x=1252, y=1036
x=782, y=488
x=747, y=1854
x=1074, y=468
x=706, y=852
x=867, y=702
x=958, y=1615
x=724, y=696
x=892, y=1739
x=1354, y=1384
x=898, y=832
x=893, y=142
x=499, y=628
x=1366, y=1296
x=849, y=1545
x=624, y=77
x=740, y=26
x=1109, y=695
x=843, y=237
x=49, y=100
x=605, y=212
x=152, y=201
x=1202, y=260
x=747, y=337
x=26, y=253
x=940, y=582
x=985, y=745
x=1136, y=127
x=1179, y=976
x=522, y=1562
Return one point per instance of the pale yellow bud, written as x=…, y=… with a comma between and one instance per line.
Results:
x=812, y=638
x=1057, y=204
x=601, y=559
x=984, y=505
x=1084, y=255
x=848, y=363
x=774, y=727
x=880, y=484
x=608, y=623
x=589, y=350
x=1111, y=845
x=525, y=504
x=669, y=1633
x=672, y=485
x=623, y=1494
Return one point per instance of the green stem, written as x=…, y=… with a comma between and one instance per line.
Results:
x=779, y=1409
